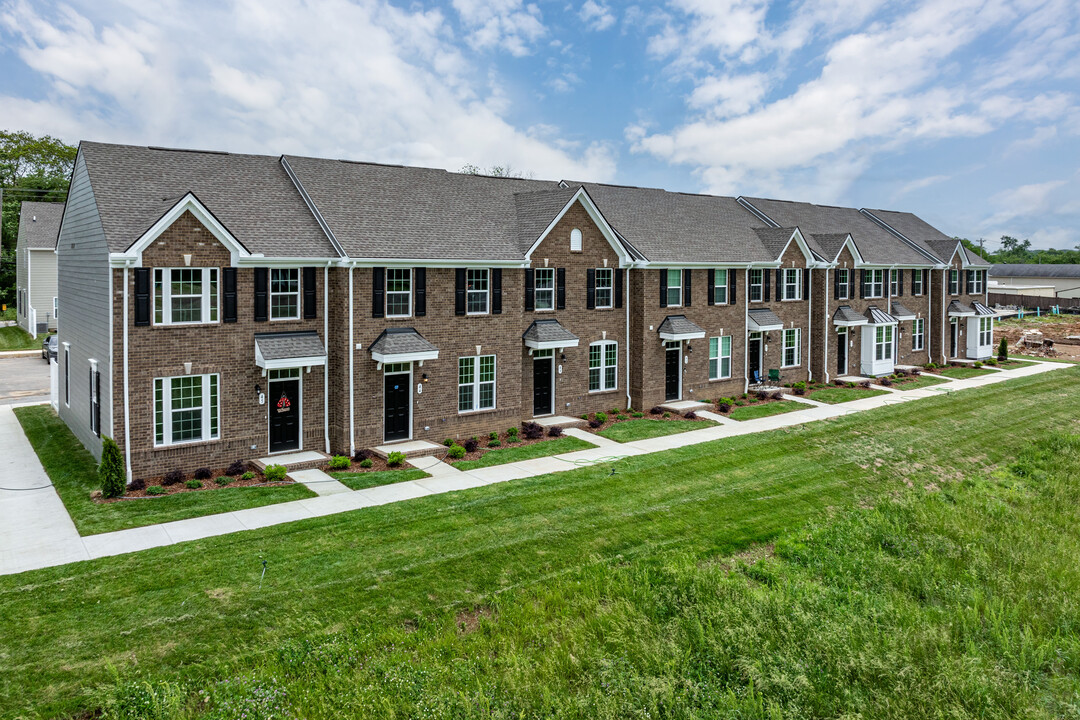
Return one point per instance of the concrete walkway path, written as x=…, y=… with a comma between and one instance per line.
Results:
x=36, y=531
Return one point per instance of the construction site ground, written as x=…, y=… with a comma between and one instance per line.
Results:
x=1057, y=328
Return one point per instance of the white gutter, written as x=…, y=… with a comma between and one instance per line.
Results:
x=326, y=349
x=826, y=331
x=434, y=262
x=127, y=402
x=746, y=328
x=626, y=351
x=809, y=327
x=944, y=310
x=352, y=348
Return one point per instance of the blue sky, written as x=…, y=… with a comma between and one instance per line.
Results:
x=965, y=112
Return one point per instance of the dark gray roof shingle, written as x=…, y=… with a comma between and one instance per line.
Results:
x=846, y=314
x=39, y=224
x=286, y=346
x=548, y=331
x=678, y=325
x=958, y=308
x=764, y=318
x=401, y=341
x=774, y=239
x=251, y=195
x=1028, y=270
x=900, y=312
x=925, y=235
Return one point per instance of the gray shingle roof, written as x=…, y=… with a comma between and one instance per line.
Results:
x=286, y=346
x=774, y=239
x=675, y=227
x=251, y=195
x=678, y=325
x=900, y=312
x=763, y=318
x=39, y=224
x=924, y=235
x=875, y=244
x=958, y=308
x=845, y=314
x=877, y=316
x=1024, y=270
x=401, y=341
x=548, y=331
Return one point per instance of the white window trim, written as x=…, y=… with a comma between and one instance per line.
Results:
x=671, y=287
x=918, y=337
x=610, y=287
x=537, y=290
x=726, y=285
x=476, y=383
x=270, y=293
x=846, y=285
x=166, y=409
x=798, y=284
x=759, y=285
x=919, y=288
x=407, y=293
x=883, y=343
x=975, y=286
x=875, y=288
x=953, y=283
x=797, y=346
x=486, y=292
x=166, y=296
x=988, y=333
x=55, y=307
x=603, y=345
x=720, y=357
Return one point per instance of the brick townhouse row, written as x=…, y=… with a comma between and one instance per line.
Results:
x=217, y=306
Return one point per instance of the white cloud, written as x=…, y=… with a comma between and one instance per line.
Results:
x=510, y=25
x=1024, y=201
x=921, y=183
x=597, y=15
x=363, y=80
x=725, y=27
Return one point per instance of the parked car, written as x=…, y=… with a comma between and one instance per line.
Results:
x=48, y=349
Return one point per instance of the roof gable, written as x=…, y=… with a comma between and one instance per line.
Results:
x=188, y=204
x=581, y=195
x=39, y=225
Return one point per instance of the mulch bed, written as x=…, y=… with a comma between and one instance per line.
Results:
x=482, y=444
x=378, y=464
x=180, y=487
x=751, y=399
x=614, y=419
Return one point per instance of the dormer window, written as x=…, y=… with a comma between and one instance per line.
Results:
x=575, y=240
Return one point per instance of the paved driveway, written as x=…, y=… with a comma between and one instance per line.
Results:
x=23, y=379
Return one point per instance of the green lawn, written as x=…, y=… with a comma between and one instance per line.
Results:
x=753, y=412
x=837, y=394
x=925, y=380
x=643, y=428
x=14, y=337
x=962, y=372
x=1025, y=358
x=73, y=471
x=501, y=456
x=1013, y=364
x=361, y=480
x=9, y=314
x=592, y=594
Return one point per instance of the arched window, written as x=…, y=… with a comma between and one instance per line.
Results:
x=575, y=240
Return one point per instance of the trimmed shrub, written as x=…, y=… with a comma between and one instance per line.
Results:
x=361, y=455
x=339, y=462
x=172, y=477
x=111, y=470
x=471, y=444
x=395, y=458
x=249, y=475
x=448, y=442
x=638, y=414
x=494, y=443
x=601, y=416
x=724, y=407
x=366, y=463
x=275, y=473
x=865, y=384
x=456, y=452
x=666, y=415
x=203, y=473
x=777, y=395
x=657, y=410
x=512, y=434
x=193, y=484
x=493, y=435
x=237, y=467
x=136, y=485
x=978, y=364
x=532, y=431
x=1003, y=350
x=740, y=403
x=614, y=411
x=155, y=490
x=223, y=480
x=554, y=431
x=761, y=395
x=886, y=382
x=690, y=415
x=620, y=416
x=595, y=424
x=798, y=386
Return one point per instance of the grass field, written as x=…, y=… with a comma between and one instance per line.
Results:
x=835, y=395
x=962, y=373
x=73, y=471
x=501, y=456
x=361, y=480
x=8, y=314
x=752, y=412
x=634, y=594
x=14, y=337
x=1025, y=358
x=1013, y=364
x=924, y=380
x=643, y=428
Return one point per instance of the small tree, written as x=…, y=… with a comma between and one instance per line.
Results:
x=1003, y=350
x=111, y=470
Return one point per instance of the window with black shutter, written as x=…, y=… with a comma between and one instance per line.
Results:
x=663, y=288
x=806, y=284
x=710, y=291
x=420, y=299
x=310, y=305
x=618, y=288
x=496, y=291
x=459, y=291
x=686, y=287
x=530, y=289
x=862, y=283
x=732, y=297
x=261, y=281
x=590, y=289
x=560, y=288
x=765, y=274
x=900, y=283
x=779, y=284
x=142, y=296
x=228, y=294
x=378, y=292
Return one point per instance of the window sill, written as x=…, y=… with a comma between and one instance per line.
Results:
x=285, y=319
x=477, y=412
x=604, y=392
x=190, y=443
x=790, y=367
x=721, y=379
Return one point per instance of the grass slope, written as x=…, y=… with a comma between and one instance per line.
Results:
x=835, y=395
x=962, y=373
x=752, y=412
x=74, y=474
x=501, y=456
x=925, y=380
x=643, y=428
x=14, y=337
x=196, y=612
x=361, y=480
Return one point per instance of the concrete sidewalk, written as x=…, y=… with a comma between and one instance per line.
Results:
x=36, y=531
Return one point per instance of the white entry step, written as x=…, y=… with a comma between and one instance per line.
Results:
x=302, y=460
x=563, y=421
x=411, y=448
x=684, y=406
x=852, y=378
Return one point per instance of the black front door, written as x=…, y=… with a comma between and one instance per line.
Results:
x=542, y=385
x=671, y=374
x=955, y=338
x=284, y=415
x=753, y=362
x=841, y=353
x=396, y=401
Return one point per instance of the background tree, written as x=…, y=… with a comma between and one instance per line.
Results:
x=1015, y=251
x=31, y=168
x=507, y=171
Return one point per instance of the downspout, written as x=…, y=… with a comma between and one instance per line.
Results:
x=809, y=326
x=746, y=330
x=825, y=332
x=626, y=352
x=929, y=311
x=326, y=363
x=127, y=402
x=352, y=348
x=944, y=311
